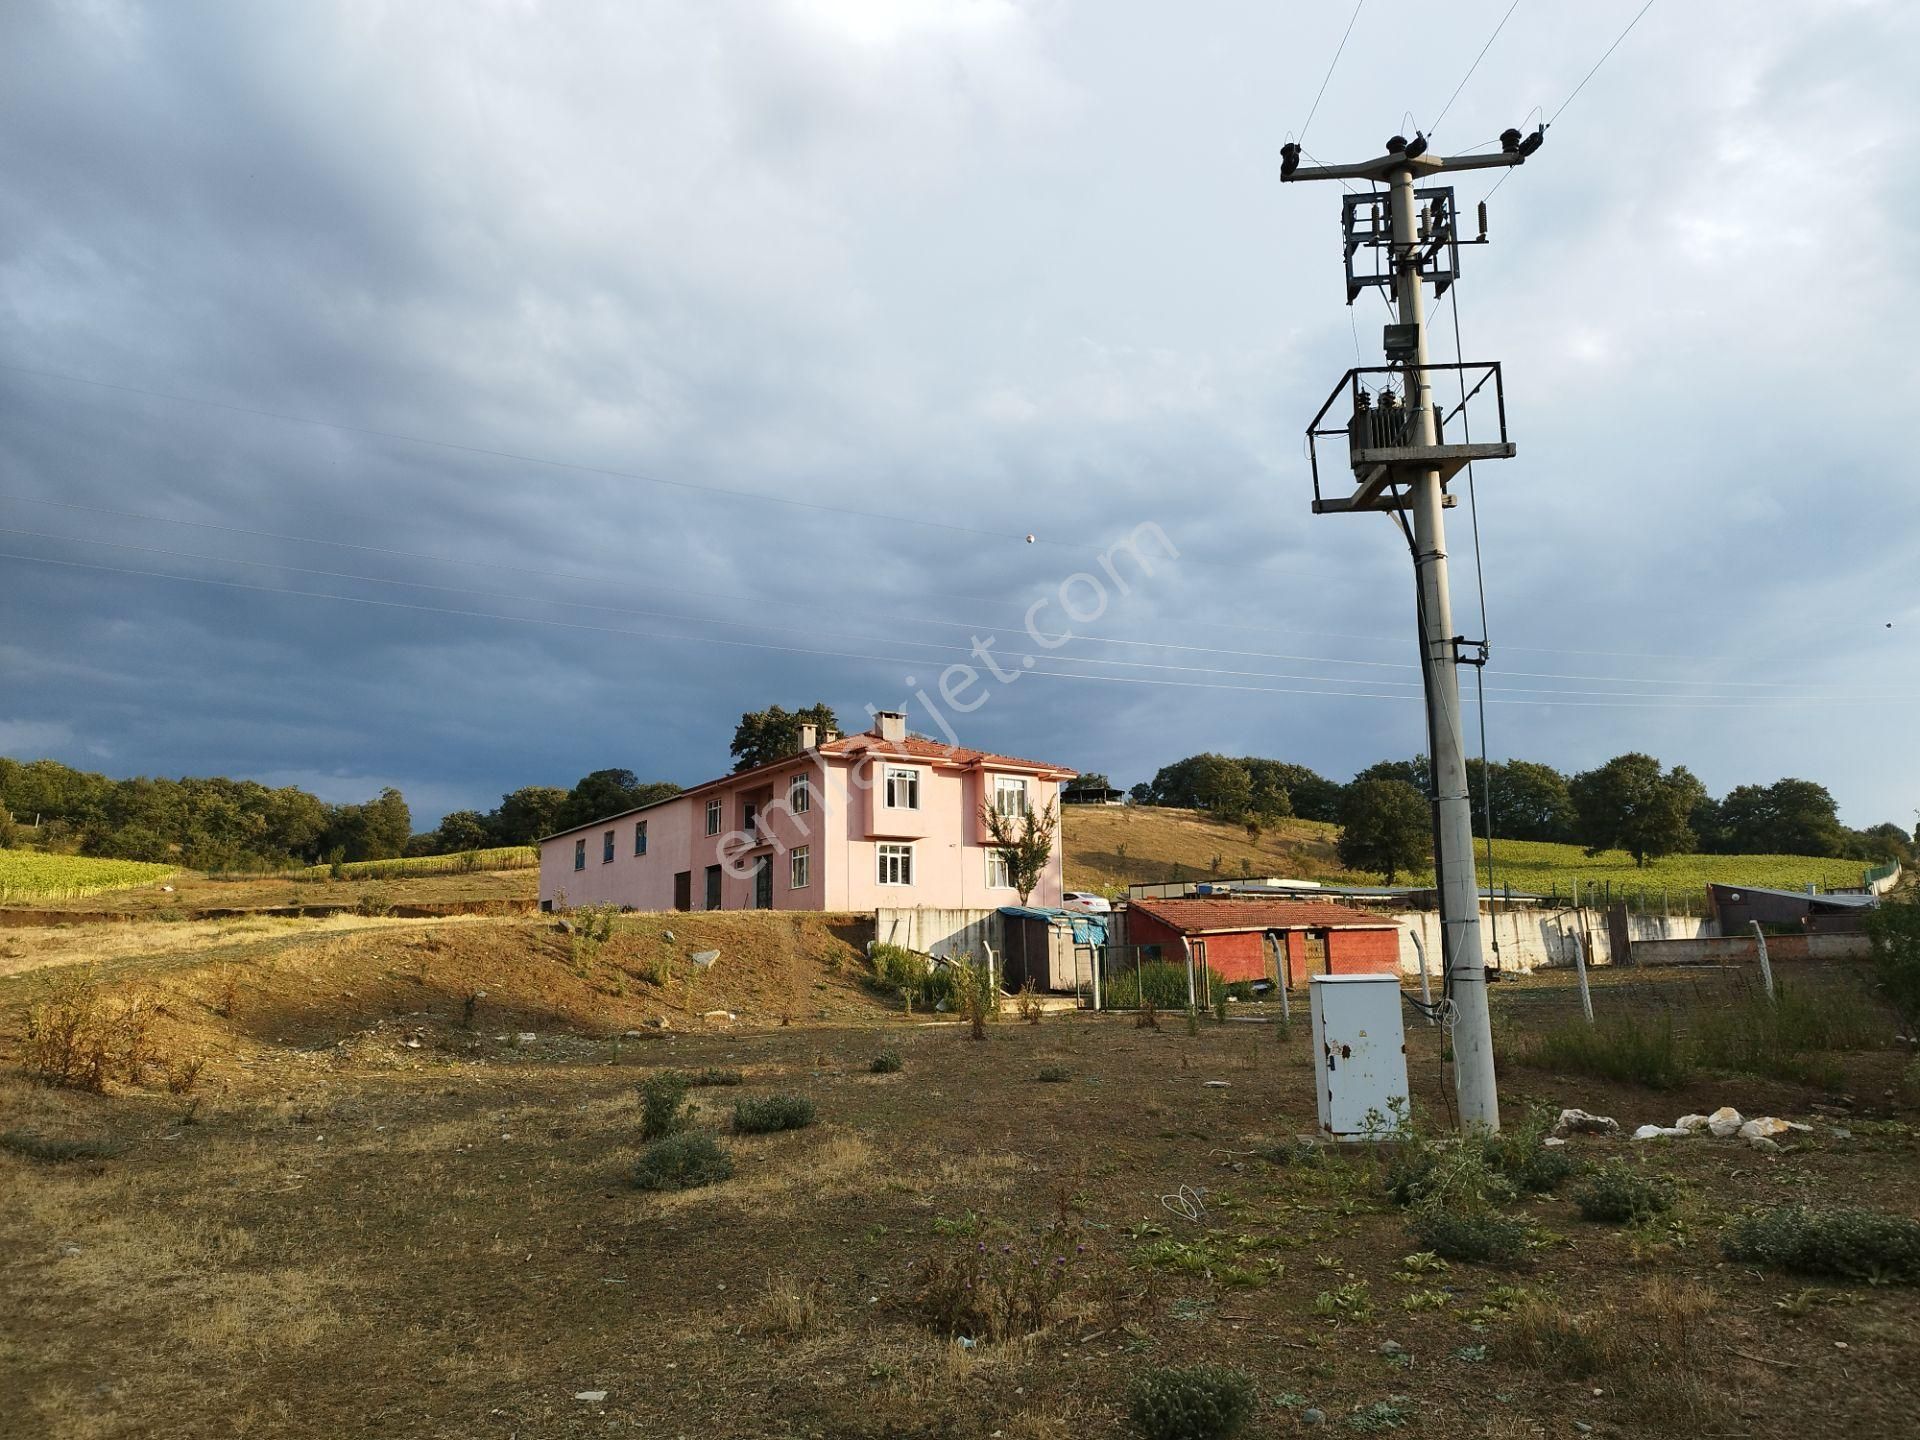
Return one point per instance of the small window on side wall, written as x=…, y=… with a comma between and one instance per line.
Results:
x=580, y=854
x=639, y=837
x=713, y=817
x=799, y=795
x=606, y=848
x=799, y=867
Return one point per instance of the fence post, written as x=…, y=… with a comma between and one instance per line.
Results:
x=1580, y=970
x=1186, y=948
x=1099, y=964
x=1766, y=968
x=1426, y=995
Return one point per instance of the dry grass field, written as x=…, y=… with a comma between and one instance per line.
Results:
x=371, y=1212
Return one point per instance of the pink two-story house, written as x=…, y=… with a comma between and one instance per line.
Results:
x=855, y=822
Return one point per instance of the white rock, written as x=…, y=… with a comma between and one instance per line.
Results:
x=705, y=958
x=1724, y=1122
x=1551, y=1141
x=1661, y=1132
x=1761, y=1142
x=1690, y=1123
x=1579, y=1122
x=1216, y=1084
x=526, y=1037
x=1765, y=1127
x=592, y=1397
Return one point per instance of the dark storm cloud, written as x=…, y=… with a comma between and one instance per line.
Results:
x=1014, y=269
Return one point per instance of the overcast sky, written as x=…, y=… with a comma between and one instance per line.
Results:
x=686, y=358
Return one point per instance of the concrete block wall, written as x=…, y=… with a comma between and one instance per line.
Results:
x=1536, y=939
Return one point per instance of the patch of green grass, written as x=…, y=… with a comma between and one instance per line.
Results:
x=1618, y=1192
x=1622, y=1048
x=55, y=1150
x=1791, y=1036
x=1054, y=1074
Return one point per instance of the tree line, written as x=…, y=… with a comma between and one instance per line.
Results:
x=213, y=823
x=1631, y=803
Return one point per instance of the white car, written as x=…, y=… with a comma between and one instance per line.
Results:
x=1086, y=902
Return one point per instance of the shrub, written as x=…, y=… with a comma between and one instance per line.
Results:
x=1624, y=1048
x=887, y=1062
x=1028, y=1001
x=1895, y=931
x=711, y=1076
x=1471, y=1234
x=1659, y=1329
x=55, y=1150
x=682, y=1162
x=663, y=1098
x=1618, y=1193
x=78, y=1040
x=996, y=1292
x=1055, y=1074
x=1852, y=1244
x=900, y=971
x=372, y=905
x=976, y=993
x=774, y=1112
x=1196, y=1402
x=1530, y=1167
x=1160, y=983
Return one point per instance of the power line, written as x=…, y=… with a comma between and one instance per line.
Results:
x=577, y=467
x=1473, y=67
x=1338, y=50
x=1633, y=702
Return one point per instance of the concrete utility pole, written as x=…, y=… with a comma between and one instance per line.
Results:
x=1401, y=459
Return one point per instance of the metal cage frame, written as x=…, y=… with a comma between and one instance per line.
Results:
x=1383, y=472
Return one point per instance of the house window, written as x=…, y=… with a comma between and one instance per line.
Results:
x=799, y=795
x=606, y=848
x=799, y=867
x=749, y=812
x=1010, y=795
x=998, y=877
x=896, y=864
x=639, y=837
x=580, y=854
x=713, y=817
x=903, y=789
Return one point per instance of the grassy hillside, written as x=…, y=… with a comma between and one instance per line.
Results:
x=1115, y=846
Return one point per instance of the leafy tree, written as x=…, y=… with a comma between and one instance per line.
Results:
x=1788, y=817
x=526, y=814
x=609, y=792
x=1416, y=772
x=1882, y=843
x=1385, y=826
x=1141, y=794
x=462, y=830
x=9, y=828
x=1221, y=786
x=1092, y=782
x=1530, y=801
x=1026, y=843
x=1630, y=804
x=1309, y=795
x=763, y=736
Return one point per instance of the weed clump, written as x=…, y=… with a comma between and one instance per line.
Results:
x=1850, y=1244
x=1624, y=1048
x=1160, y=983
x=899, y=971
x=1617, y=1193
x=887, y=1062
x=1470, y=1235
x=1196, y=1402
x=1054, y=1074
x=54, y=1150
x=663, y=1099
x=1786, y=1037
x=1659, y=1329
x=77, y=1040
x=772, y=1113
x=712, y=1077
x=995, y=1292
x=682, y=1162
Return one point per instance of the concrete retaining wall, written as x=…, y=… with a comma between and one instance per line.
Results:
x=934, y=930
x=1740, y=949
x=1536, y=939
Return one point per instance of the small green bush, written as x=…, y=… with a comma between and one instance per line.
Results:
x=1055, y=1074
x=54, y=1150
x=887, y=1062
x=1531, y=1167
x=1162, y=983
x=763, y=1116
x=712, y=1076
x=900, y=971
x=663, y=1098
x=1625, y=1048
x=1617, y=1193
x=1852, y=1244
x=1198, y=1402
x=682, y=1162
x=1470, y=1235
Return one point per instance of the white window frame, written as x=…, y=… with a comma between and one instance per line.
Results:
x=799, y=795
x=999, y=873
x=895, y=861
x=609, y=847
x=639, y=837
x=580, y=853
x=1006, y=785
x=715, y=811
x=909, y=779
x=799, y=867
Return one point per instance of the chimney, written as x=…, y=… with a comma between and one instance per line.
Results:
x=890, y=724
x=809, y=736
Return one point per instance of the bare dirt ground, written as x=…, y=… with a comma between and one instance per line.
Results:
x=369, y=1218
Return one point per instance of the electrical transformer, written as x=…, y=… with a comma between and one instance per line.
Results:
x=1359, y=1055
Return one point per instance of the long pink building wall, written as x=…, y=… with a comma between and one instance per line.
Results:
x=842, y=832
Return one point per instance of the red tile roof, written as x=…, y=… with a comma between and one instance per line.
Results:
x=1199, y=917
x=916, y=747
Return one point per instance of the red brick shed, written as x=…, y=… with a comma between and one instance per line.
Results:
x=1321, y=938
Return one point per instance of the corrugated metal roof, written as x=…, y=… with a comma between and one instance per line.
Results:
x=1849, y=901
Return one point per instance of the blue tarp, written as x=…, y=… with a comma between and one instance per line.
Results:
x=1087, y=929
